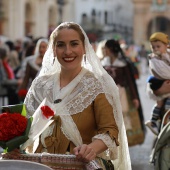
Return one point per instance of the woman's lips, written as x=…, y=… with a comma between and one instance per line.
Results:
x=69, y=59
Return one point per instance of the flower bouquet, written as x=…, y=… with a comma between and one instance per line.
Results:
x=14, y=127
x=42, y=118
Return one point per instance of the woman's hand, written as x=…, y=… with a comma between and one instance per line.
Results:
x=85, y=153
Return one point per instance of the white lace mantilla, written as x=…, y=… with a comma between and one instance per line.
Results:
x=106, y=84
x=111, y=152
x=80, y=97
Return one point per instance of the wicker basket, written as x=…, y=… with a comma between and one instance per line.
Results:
x=56, y=161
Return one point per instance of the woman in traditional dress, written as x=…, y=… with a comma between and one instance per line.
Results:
x=88, y=119
x=122, y=70
x=31, y=66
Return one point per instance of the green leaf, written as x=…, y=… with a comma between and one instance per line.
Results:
x=24, y=112
x=15, y=142
x=18, y=108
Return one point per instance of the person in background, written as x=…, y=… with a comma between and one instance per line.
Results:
x=31, y=66
x=30, y=50
x=123, y=72
x=14, y=61
x=159, y=66
x=143, y=53
x=158, y=90
x=159, y=59
x=7, y=79
x=88, y=121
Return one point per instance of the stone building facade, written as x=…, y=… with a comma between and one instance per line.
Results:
x=20, y=18
x=99, y=18
x=150, y=16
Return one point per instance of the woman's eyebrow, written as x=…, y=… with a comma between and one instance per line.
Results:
x=70, y=41
x=74, y=40
x=60, y=42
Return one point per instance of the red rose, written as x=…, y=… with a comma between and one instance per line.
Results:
x=11, y=125
x=47, y=111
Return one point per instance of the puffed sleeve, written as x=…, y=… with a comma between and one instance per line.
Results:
x=107, y=127
x=104, y=117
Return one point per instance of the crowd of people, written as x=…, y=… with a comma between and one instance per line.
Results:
x=19, y=65
x=98, y=112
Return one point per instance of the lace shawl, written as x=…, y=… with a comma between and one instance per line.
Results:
x=106, y=85
x=83, y=94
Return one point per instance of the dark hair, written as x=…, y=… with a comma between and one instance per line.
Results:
x=114, y=46
x=68, y=25
x=155, y=83
x=10, y=44
x=30, y=50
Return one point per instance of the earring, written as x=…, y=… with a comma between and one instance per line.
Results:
x=53, y=60
x=84, y=58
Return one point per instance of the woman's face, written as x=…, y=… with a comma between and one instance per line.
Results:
x=69, y=49
x=42, y=48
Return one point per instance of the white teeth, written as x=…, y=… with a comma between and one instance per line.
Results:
x=68, y=59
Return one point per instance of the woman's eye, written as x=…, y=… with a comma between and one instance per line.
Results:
x=60, y=45
x=74, y=44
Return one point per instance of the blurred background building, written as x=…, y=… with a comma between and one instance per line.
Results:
x=100, y=18
x=150, y=16
x=131, y=20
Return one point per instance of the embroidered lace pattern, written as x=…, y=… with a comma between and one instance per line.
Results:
x=101, y=78
x=111, y=152
x=88, y=88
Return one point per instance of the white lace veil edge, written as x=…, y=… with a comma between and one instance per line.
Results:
x=36, y=53
x=110, y=89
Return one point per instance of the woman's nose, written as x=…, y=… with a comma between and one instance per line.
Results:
x=68, y=50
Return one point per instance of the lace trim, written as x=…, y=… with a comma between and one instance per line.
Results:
x=80, y=98
x=111, y=152
x=88, y=89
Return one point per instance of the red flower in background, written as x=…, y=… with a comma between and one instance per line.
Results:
x=11, y=125
x=22, y=93
x=47, y=111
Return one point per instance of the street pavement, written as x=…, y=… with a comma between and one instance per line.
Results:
x=140, y=154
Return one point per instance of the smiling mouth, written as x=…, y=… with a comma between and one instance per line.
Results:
x=70, y=59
